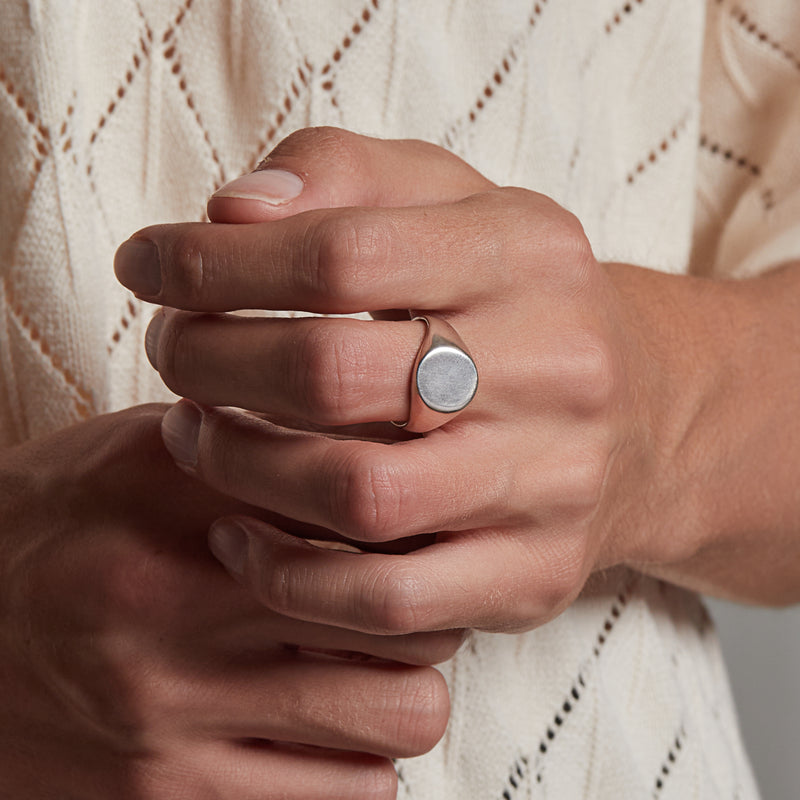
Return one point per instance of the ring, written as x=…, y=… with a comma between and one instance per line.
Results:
x=444, y=378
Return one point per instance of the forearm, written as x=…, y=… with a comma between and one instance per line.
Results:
x=724, y=515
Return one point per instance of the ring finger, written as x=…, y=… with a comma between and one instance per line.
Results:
x=325, y=371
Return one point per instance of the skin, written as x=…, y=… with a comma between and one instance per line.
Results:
x=131, y=666
x=623, y=416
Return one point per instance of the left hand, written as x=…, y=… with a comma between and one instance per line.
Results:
x=524, y=489
x=132, y=666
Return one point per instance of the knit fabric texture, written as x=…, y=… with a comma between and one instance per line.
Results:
x=669, y=127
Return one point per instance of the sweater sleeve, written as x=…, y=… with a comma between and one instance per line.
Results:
x=748, y=177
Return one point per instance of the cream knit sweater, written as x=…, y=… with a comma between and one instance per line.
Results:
x=675, y=153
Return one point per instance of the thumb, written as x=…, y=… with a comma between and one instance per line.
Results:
x=330, y=168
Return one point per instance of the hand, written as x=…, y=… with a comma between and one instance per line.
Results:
x=518, y=486
x=580, y=451
x=132, y=666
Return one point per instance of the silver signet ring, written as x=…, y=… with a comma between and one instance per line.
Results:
x=444, y=378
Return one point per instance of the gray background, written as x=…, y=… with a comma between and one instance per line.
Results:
x=762, y=651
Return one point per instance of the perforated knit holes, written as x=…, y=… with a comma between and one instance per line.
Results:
x=41, y=134
x=82, y=397
x=170, y=54
x=518, y=774
x=130, y=313
x=753, y=29
x=660, y=149
x=738, y=161
x=42, y=144
x=179, y=17
x=727, y=154
x=521, y=768
x=142, y=52
x=295, y=90
x=501, y=71
x=347, y=41
x=622, y=14
x=537, y=10
x=509, y=60
x=669, y=762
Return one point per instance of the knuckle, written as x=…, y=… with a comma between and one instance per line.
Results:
x=572, y=234
x=513, y=199
x=567, y=572
x=497, y=214
x=155, y=701
x=375, y=781
x=515, y=226
x=277, y=586
x=447, y=644
x=331, y=367
x=577, y=479
x=187, y=275
x=573, y=250
x=138, y=587
x=161, y=701
x=343, y=251
x=504, y=210
x=162, y=776
x=176, y=356
x=513, y=207
x=595, y=376
x=534, y=232
x=566, y=255
x=560, y=566
x=220, y=463
x=397, y=599
x=424, y=709
x=325, y=144
x=328, y=257
x=367, y=505
x=588, y=476
x=434, y=648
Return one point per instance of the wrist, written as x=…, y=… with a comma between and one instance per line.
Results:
x=681, y=337
x=718, y=448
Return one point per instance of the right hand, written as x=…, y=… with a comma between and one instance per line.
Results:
x=132, y=666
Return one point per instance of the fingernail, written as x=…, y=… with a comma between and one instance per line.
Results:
x=180, y=430
x=273, y=186
x=229, y=544
x=137, y=265
x=152, y=336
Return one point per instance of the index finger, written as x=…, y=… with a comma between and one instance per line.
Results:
x=335, y=260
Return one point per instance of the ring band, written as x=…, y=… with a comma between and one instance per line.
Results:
x=444, y=378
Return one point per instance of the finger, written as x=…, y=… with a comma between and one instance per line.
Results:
x=327, y=371
x=370, y=706
x=291, y=772
x=241, y=624
x=330, y=167
x=264, y=770
x=421, y=649
x=342, y=260
x=362, y=490
x=487, y=579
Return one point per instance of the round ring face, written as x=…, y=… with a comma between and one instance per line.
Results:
x=447, y=378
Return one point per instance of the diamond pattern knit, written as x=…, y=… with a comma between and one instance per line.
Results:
x=676, y=153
